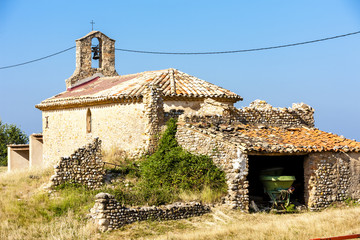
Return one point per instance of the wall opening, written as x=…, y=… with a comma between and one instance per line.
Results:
x=88, y=121
x=95, y=53
x=292, y=165
x=47, y=122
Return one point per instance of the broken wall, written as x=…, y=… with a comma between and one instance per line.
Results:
x=226, y=156
x=260, y=112
x=84, y=166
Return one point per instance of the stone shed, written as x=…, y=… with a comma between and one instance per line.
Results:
x=246, y=141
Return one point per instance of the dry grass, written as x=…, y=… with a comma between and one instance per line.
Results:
x=25, y=214
x=24, y=211
x=206, y=195
x=114, y=156
x=3, y=169
x=229, y=224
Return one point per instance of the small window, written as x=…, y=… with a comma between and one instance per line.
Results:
x=88, y=121
x=47, y=122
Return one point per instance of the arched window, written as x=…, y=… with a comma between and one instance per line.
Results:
x=88, y=121
x=96, y=53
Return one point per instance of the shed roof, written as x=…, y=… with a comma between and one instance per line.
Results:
x=172, y=82
x=270, y=139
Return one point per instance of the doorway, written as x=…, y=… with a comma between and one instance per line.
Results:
x=288, y=165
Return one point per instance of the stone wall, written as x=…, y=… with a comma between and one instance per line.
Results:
x=84, y=166
x=119, y=126
x=260, y=112
x=132, y=127
x=110, y=214
x=154, y=114
x=354, y=185
x=226, y=156
x=331, y=177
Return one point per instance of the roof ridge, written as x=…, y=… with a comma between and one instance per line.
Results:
x=144, y=72
x=172, y=81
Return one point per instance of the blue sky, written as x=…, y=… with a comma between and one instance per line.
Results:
x=324, y=75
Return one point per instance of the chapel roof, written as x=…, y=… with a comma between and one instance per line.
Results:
x=172, y=82
x=270, y=139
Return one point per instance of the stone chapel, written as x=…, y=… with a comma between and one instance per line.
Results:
x=125, y=111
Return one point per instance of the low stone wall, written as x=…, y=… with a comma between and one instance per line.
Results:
x=109, y=214
x=84, y=166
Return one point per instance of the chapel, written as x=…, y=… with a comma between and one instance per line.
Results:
x=125, y=111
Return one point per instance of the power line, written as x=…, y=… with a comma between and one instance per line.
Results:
x=239, y=51
x=194, y=53
x=38, y=59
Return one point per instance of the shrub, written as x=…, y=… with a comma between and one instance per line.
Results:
x=171, y=169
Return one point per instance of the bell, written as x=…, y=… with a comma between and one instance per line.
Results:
x=96, y=52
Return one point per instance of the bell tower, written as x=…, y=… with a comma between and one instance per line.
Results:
x=86, y=56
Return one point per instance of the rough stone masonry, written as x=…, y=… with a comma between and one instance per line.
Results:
x=84, y=167
x=229, y=135
x=109, y=214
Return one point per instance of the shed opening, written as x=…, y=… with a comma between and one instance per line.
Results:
x=284, y=165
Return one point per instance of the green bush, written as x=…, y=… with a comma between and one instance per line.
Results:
x=171, y=170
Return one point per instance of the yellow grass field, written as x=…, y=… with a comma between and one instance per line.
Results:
x=25, y=214
x=3, y=169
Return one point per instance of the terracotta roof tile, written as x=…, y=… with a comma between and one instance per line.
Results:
x=281, y=140
x=172, y=82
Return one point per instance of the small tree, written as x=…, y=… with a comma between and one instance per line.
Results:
x=10, y=134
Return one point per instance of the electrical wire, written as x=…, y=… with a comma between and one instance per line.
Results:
x=194, y=53
x=38, y=59
x=240, y=51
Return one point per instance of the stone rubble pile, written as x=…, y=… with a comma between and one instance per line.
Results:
x=84, y=166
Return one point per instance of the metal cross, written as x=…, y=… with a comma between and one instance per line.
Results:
x=92, y=25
